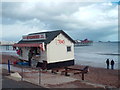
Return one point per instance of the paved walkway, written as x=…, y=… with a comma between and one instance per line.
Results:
x=9, y=83
x=39, y=78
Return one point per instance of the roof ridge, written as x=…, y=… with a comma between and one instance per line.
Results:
x=50, y=35
x=46, y=32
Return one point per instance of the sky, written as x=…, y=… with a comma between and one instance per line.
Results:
x=97, y=21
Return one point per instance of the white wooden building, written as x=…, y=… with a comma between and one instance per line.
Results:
x=55, y=48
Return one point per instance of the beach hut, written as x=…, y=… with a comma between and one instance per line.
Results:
x=52, y=49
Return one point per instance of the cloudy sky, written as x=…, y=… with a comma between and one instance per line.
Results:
x=93, y=20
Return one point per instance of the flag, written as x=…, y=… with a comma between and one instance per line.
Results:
x=42, y=46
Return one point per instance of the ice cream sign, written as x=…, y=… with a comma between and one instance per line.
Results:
x=34, y=37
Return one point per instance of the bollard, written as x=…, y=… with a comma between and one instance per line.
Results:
x=22, y=71
x=39, y=76
x=9, y=66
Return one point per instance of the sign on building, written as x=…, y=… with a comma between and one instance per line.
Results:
x=34, y=37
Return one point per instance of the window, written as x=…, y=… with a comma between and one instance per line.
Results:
x=68, y=48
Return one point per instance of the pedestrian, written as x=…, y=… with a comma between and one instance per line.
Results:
x=107, y=62
x=30, y=55
x=112, y=64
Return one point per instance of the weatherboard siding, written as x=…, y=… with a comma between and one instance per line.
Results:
x=57, y=52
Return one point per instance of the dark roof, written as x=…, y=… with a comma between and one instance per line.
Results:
x=50, y=35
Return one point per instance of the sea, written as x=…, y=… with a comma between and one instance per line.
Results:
x=94, y=55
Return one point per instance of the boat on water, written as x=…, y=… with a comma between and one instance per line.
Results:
x=84, y=42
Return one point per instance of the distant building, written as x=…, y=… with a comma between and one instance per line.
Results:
x=7, y=42
x=55, y=48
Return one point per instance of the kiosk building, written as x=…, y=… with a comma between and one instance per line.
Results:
x=50, y=49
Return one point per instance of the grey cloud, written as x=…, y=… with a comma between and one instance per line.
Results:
x=66, y=16
x=39, y=10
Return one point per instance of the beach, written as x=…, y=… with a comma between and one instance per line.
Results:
x=95, y=75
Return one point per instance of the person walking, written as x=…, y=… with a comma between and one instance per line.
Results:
x=30, y=54
x=107, y=62
x=112, y=64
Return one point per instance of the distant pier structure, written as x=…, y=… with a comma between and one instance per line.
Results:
x=84, y=42
x=7, y=45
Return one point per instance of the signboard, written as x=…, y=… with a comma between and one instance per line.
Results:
x=60, y=41
x=34, y=37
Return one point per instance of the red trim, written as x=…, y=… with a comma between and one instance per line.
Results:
x=29, y=45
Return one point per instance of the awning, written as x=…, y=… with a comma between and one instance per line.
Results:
x=41, y=45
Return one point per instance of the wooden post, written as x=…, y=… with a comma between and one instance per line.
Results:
x=82, y=75
x=66, y=71
x=39, y=76
x=52, y=71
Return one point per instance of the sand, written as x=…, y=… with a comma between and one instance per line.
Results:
x=98, y=76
